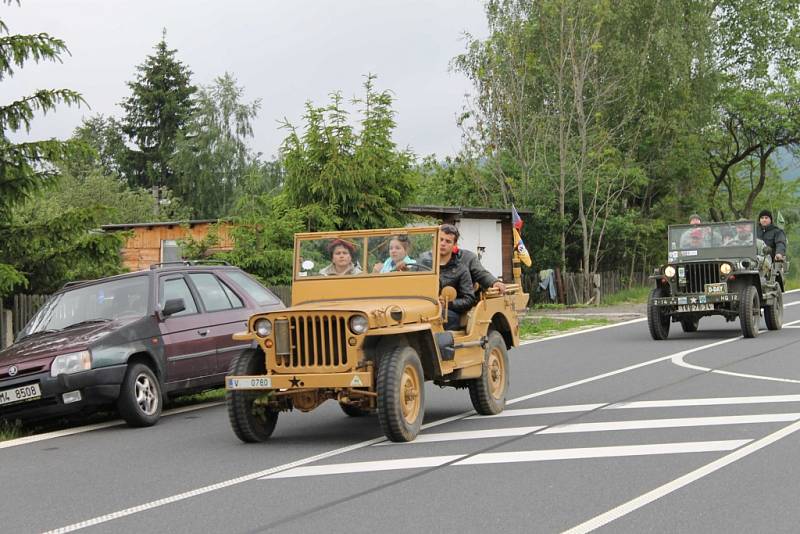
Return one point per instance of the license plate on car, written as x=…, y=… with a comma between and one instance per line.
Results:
x=695, y=307
x=716, y=289
x=261, y=382
x=21, y=393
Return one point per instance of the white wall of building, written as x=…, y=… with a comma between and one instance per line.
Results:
x=484, y=237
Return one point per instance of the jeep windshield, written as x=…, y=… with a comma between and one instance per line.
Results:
x=706, y=236
x=96, y=303
x=374, y=254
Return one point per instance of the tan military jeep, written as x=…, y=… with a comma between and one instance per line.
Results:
x=365, y=329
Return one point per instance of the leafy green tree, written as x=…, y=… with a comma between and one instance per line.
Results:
x=346, y=178
x=25, y=166
x=211, y=155
x=107, y=149
x=159, y=107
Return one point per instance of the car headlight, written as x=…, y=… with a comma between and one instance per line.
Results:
x=71, y=363
x=725, y=268
x=669, y=271
x=262, y=327
x=358, y=324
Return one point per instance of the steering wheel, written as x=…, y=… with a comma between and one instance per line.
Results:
x=416, y=267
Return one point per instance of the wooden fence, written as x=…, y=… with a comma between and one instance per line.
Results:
x=12, y=320
x=604, y=284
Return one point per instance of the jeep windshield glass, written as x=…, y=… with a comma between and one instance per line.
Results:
x=398, y=253
x=704, y=236
x=125, y=298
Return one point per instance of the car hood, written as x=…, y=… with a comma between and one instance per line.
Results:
x=375, y=309
x=52, y=344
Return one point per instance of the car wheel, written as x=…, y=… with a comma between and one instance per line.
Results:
x=401, y=394
x=690, y=324
x=749, y=311
x=488, y=392
x=252, y=420
x=355, y=411
x=140, y=399
x=773, y=313
x=657, y=318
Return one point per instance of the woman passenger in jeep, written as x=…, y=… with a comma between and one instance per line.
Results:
x=341, y=253
x=398, y=259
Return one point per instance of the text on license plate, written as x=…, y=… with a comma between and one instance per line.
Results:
x=713, y=289
x=21, y=393
x=260, y=382
x=695, y=307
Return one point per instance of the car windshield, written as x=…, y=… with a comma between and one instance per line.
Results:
x=124, y=298
x=394, y=253
x=703, y=236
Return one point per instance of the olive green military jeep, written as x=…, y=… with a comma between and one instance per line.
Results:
x=716, y=269
x=365, y=329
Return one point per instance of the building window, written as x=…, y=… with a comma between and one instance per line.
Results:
x=170, y=251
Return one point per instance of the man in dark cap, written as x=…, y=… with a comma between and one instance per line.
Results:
x=773, y=236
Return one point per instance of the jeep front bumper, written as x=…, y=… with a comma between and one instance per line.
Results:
x=696, y=301
x=305, y=381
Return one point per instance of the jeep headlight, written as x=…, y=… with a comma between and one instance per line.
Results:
x=262, y=327
x=358, y=324
x=71, y=363
x=725, y=268
x=669, y=271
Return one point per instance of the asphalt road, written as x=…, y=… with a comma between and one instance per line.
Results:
x=605, y=430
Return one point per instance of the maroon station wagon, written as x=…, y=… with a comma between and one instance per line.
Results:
x=130, y=340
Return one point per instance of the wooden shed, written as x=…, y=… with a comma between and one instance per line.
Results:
x=157, y=242
x=486, y=231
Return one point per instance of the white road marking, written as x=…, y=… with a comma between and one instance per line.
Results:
x=715, y=401
x=246, y=478
x=588, y=330
x=603, y=452
x=468, y=434
x=539, y=411
x=671, y=423
x=512, y=457
x=99, y=426
x=642, y=500
x=678, y=359
x=365, y=467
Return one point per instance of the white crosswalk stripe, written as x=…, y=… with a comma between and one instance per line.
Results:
x=537, y=455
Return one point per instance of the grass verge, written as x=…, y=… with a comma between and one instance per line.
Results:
x=635, y=295
x=546, y=326
x=9, y=430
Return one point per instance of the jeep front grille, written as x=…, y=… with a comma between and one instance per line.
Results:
x=316, y=343
x=698, y=275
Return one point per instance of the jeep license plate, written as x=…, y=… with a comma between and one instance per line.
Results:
x=261, y=382
x=695, y=307
x=716, y=289
x=21, y=393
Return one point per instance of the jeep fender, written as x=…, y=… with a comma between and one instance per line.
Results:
x=423, y=341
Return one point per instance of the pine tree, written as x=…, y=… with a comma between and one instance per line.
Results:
x=26, y=166
x=159, y=107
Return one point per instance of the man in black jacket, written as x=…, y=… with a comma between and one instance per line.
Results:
x=454, y=273
x=773, y=236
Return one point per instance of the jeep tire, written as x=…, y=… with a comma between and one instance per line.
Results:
x=749, y=311
x=773, y=313
x=401, y=394
x=251, y=422
x=690, y=324
x=140, y=399
x=488, y=392
x=657, y=320
x=355, y=411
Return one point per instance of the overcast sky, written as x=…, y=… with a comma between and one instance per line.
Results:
x=283, y=52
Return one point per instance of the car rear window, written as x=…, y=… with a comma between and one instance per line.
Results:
x=256, y=291
x=214, y=295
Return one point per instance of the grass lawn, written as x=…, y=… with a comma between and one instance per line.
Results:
x=545, y=326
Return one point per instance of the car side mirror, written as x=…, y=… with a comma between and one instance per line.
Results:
x=173, y=306
x=449, y=293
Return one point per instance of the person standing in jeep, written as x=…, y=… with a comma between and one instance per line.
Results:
x=774, y=237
